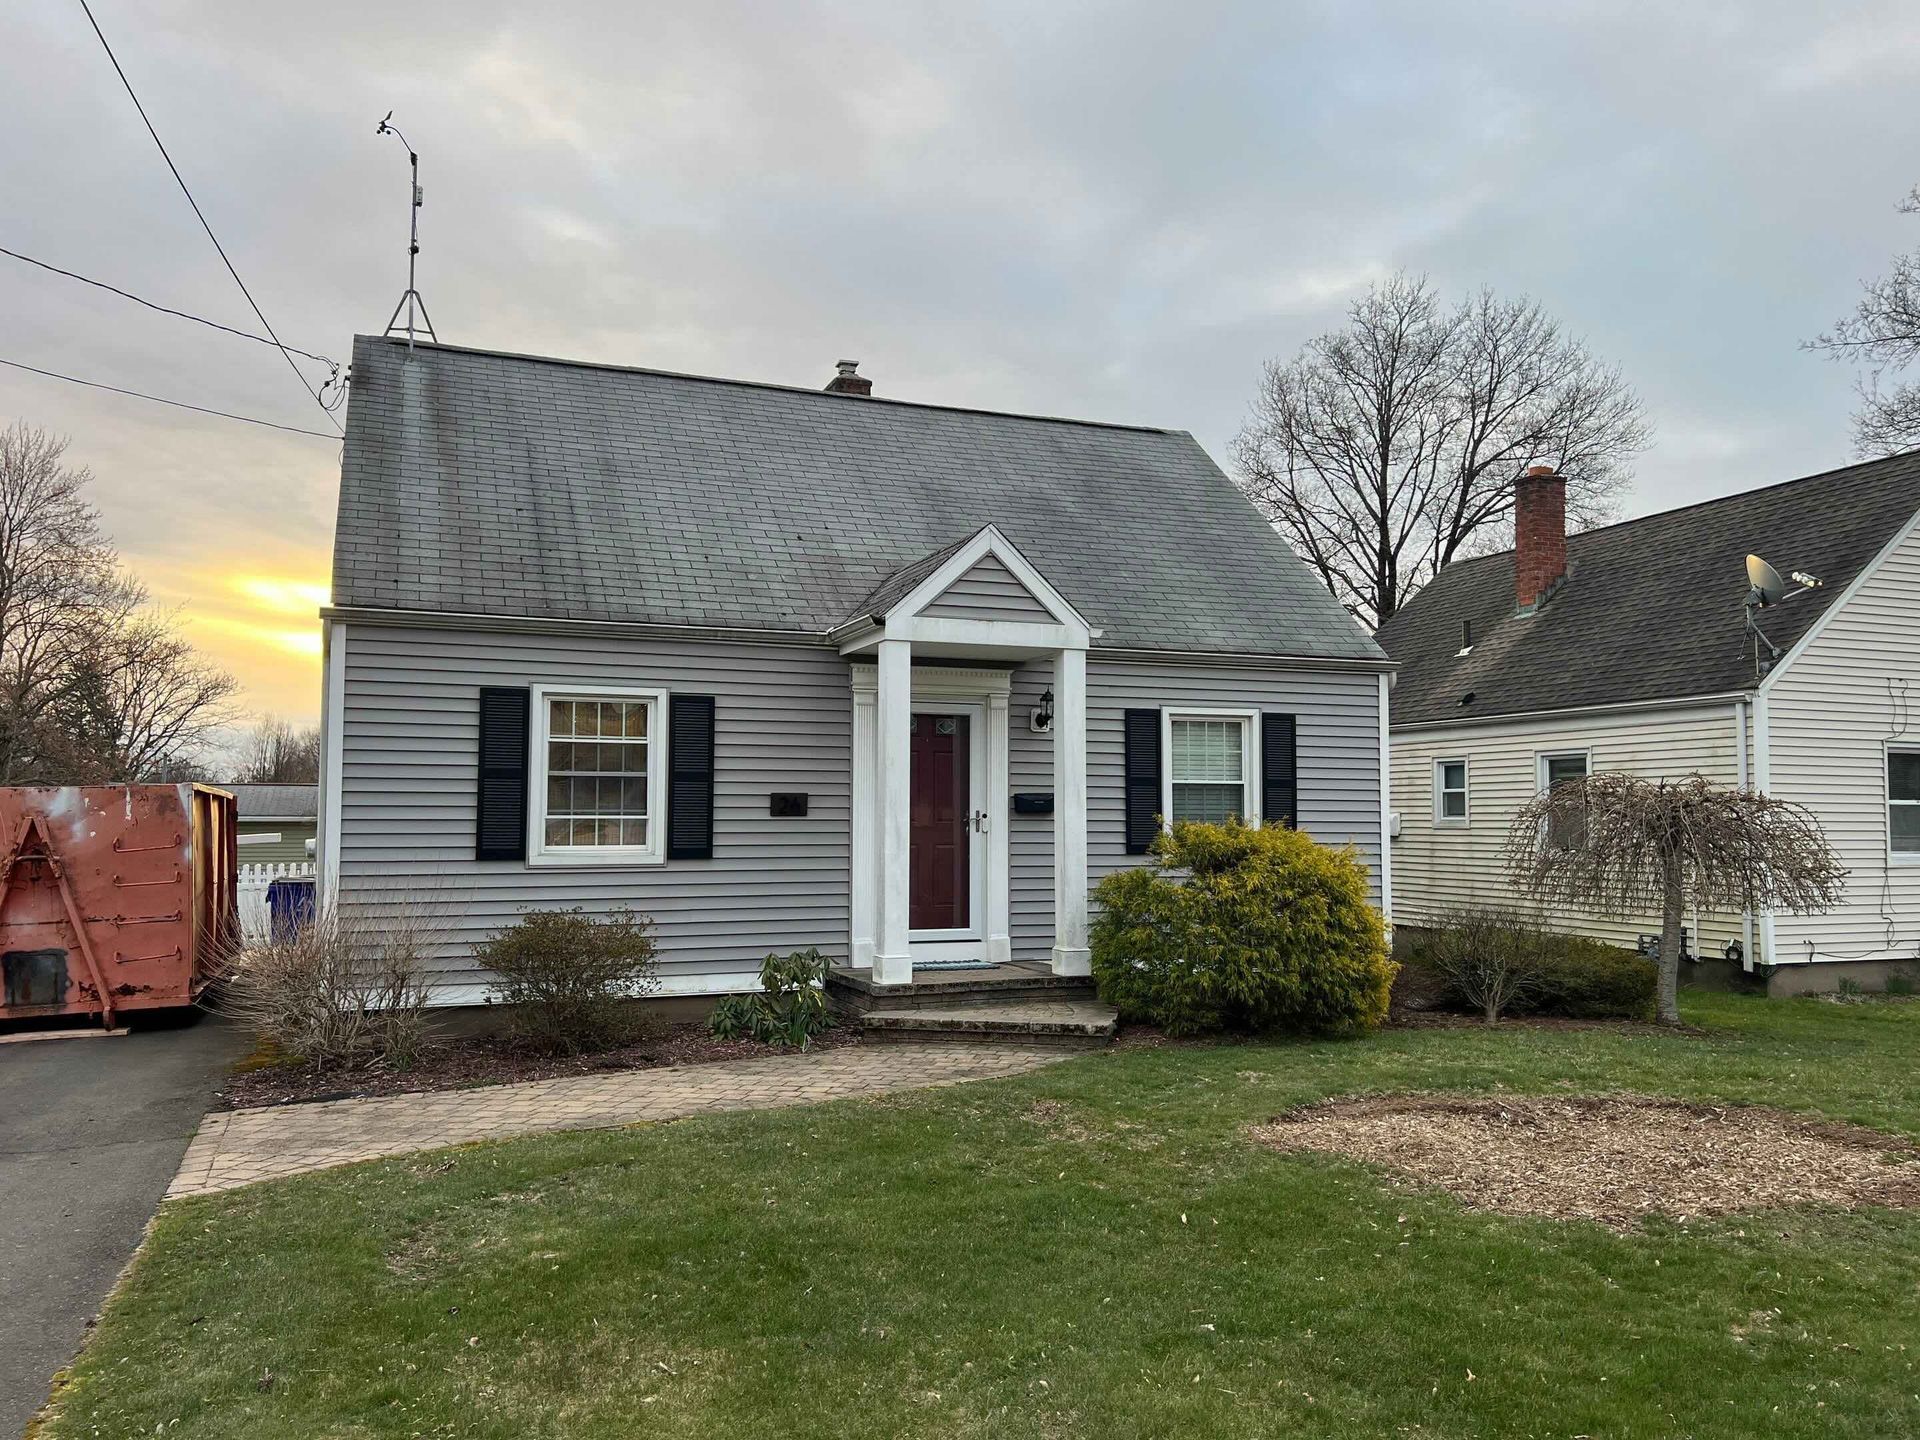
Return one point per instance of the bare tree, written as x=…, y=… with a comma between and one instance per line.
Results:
x=1615, y=843
x=278, y=753
x=1389, y=447
x=94, y=686
x=1883, y=334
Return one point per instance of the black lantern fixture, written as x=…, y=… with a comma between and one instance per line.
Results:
x=1046, y=709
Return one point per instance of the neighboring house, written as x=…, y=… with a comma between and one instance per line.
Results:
x=783, y=667
x=1626, y=648
x=275, y=822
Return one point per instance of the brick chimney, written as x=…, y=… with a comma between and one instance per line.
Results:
x=848, y=380
x=1539, y=536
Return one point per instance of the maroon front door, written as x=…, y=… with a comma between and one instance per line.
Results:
x=937, y=883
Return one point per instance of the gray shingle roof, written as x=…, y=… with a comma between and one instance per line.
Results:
x=506, y=485
x=902, y=582
x=1651, y=608
x=276, y=802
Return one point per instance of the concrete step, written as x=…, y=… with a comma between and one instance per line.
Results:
x=1078, y=1023
x=852, y=992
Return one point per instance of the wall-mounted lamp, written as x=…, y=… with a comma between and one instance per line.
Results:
x=1041, y=716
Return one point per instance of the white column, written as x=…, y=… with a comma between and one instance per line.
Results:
x=862, y=889
x=892, y=961
x=999, y=930
x=1070, y=954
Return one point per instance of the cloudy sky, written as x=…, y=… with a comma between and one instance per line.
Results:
x=1106, y=210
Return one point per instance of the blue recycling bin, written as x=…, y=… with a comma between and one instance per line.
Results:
x=289, y=906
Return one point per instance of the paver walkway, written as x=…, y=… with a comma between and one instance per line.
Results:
x=243, y=1146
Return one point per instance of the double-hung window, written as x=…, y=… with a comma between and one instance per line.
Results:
x=598, y=776
x=1903, y=803
x=1449, y=792
x=1210, y=767
x=1567, y=826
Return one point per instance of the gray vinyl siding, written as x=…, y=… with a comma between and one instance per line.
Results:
x=988, y=591
x=291, y=846
x=1338, y=718
x=782, y=721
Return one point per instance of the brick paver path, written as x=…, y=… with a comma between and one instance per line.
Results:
x=242, y=1146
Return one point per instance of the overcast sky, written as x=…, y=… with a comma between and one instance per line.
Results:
x=1114, y=211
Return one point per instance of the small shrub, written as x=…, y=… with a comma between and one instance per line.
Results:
x=791, y=1008
x=343, y=992
x=1231, y=928
x=1490, y=960
x=1586, y=979
x=567, y=978
x=1901, y=982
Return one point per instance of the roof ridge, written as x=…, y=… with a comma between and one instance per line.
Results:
x=773, y=385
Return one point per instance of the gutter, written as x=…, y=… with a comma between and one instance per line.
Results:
x=1670, y=702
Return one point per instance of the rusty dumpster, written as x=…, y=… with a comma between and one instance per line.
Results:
x=113, y=898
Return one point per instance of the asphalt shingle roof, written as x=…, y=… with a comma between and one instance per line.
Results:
x=1651, y=608
x=904, y=581
x=276, y=802
x=496, y=484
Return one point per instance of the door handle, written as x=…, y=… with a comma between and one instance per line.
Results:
x=979, y=819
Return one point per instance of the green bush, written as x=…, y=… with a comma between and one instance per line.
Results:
x=1549, y=974
x=1586, y=979
x=790, y=1010
x=567, y=978
x=1230, y=928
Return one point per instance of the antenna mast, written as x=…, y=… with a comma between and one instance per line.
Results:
x=410, y=301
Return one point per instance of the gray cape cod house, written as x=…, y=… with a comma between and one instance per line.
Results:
x=783, y=667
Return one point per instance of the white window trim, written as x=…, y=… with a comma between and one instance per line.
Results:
x=1441, y=820
x=1896, y=857
x=654, y=852
x=1249, y=754
x=1541, y=757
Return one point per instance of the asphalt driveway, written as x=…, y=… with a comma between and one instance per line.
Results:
x=91, y=1131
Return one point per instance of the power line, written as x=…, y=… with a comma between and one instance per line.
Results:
x=163, y=309
x=179, y=180
x=162, y=400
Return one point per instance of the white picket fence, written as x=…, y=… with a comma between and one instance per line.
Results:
x=255, y=922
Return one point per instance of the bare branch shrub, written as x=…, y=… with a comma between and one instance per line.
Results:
x=567, y=978
x=1625, y=845
x=1493, y=959
x=349, y=990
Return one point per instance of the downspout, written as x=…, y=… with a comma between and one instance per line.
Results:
x=1740, y=761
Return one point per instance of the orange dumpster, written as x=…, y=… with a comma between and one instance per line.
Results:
x=113, y=898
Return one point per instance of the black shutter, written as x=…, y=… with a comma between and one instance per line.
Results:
x=690, y=777
x=1143, y=779
x=500, y=828
x=1279, y=771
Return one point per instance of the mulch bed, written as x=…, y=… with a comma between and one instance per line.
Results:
x=491, y=1060
x=1615, y=1159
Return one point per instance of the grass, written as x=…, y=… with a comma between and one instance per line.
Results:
x=1093, y=1249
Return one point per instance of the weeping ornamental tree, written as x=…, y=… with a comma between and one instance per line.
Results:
x=1620, y=844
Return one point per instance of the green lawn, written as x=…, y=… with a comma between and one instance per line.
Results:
x=1122, y=1263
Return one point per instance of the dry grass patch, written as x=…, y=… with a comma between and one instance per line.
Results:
x=1616, y=1159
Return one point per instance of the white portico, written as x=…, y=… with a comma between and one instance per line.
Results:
x=931, y=726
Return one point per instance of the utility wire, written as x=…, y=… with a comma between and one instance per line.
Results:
x=163, y=309
x=162, y=400
x=258, y=313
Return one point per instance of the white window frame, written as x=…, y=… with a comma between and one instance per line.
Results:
x=1896, y=857
x=654, y=852
x=1249, y=754
x=1441, y=819
x=1541, y=758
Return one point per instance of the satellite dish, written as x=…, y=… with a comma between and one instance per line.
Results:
x=1768, y=587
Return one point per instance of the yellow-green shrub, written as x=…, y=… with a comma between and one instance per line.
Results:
x=1230, y=928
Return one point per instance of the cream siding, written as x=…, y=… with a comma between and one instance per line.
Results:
x=1833, y=710
x=1439, y=866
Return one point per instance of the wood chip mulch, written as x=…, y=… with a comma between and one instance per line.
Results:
x=1615, y=1159
x=462, y=1064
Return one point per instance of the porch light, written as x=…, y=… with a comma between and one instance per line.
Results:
x=1042, y=717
